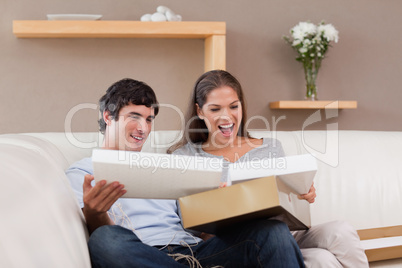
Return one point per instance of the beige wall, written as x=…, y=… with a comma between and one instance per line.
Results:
x=41, y=80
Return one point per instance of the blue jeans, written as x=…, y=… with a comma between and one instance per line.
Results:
x=266, y=243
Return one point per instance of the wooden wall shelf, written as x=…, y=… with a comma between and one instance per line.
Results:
x=213, y=33
x=313, y=105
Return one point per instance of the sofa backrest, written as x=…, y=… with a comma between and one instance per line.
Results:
x=358, y=179
x=41, y=223
x=75, y=146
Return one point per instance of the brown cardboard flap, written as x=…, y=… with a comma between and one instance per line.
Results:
x=216, y=210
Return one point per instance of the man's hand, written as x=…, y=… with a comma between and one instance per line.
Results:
x=98, y=200
x=310, y=196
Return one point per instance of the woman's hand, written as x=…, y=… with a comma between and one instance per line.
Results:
x=310, y=196
x=98, y=200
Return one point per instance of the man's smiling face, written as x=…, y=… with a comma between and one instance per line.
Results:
x=130, y=131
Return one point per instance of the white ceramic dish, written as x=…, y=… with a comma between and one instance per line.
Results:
x=73, y=17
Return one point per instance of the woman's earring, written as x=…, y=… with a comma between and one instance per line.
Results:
x=108, y=121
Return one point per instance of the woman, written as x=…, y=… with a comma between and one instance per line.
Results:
x=215, y=123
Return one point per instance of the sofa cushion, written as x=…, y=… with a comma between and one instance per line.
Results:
x=288, y=139
x=39, y=146
x=74, y=146
x=41, y=224
x=359, y=177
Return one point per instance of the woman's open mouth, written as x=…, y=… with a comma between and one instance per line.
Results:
x=226, y=130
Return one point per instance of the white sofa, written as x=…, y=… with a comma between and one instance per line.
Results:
x=359, y=180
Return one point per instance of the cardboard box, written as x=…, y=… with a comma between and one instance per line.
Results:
x=297, y=171
x=157, y=176
x=215, y=210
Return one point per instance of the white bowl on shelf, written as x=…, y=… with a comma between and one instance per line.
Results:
x=73, y=17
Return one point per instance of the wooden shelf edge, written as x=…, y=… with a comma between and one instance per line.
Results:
x=116, y=29
x=380, y=232
x=380, y=254
x=330, y=104
x=384, y=252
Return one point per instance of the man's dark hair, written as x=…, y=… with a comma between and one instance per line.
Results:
x=124, y=92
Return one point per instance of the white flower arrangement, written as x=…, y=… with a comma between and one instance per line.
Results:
x=311, y=42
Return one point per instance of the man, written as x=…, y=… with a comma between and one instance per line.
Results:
x=148, y=233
